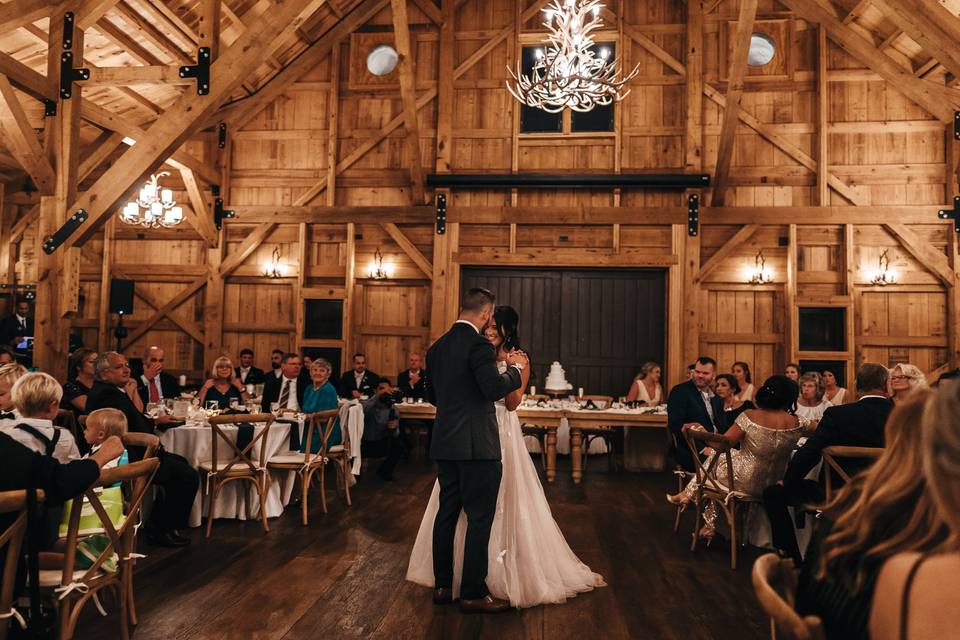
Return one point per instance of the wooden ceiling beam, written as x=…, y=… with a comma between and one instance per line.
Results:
x=142, y=28
x=201, y=217
x=26, y=79
x=21, y=140
x=18, y=13
x=925, y=29
x=935, y=99
x=731, y=113
x=923, y=252
x=724, y=252
x=129, y=46
x=166, y=309
x=89, y=12
x=430, y=10
x=409, y=248
x=123, y=76
x=188, y=113
x=408, y=95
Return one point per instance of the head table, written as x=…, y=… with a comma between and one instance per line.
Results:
x=194, y=442
x=644, y=438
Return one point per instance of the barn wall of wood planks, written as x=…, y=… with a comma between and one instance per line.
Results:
x=831, y=165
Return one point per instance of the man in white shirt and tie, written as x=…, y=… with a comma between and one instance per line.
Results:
x=358, y=382
x=19, y=325
x=284, y=390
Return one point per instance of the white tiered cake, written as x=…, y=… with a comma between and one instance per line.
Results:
x=557, y=379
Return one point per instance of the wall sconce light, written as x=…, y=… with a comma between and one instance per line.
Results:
x=377, y=269
x=760, y=274
x=883, y=275
x=274, y=269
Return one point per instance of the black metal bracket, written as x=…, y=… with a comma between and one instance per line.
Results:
x=222, y=135
x=693, y=215
x=215, y=190
x=946, y=214
x=441, y=213
x=49, y=108
x=68, y=75
x=68, y=30
x=956, y=125
x=60, y=236
x=219, y=213
x=200, y=71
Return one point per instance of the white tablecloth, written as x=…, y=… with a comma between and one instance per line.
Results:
x=351, y=420
x=194, y=444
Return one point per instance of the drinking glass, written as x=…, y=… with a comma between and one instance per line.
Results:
x=234, y=403
x=212, y=405
x=168, y=406
x=275, y=408
x=153, y=409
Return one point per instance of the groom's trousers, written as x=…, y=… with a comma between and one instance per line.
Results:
x=471, y=485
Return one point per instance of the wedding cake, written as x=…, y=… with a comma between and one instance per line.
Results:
x=557, y=379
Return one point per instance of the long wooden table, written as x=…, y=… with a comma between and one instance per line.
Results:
x=644, y=440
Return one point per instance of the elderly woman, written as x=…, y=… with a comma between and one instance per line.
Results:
x=646, y=387
x=321, y=396
x=223, y=387
x=811, y=404
x=904, y=379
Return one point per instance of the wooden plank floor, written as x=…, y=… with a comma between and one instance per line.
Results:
x=343, y=575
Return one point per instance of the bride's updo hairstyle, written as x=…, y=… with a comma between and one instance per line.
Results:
x=778, y=393
x=507, y=320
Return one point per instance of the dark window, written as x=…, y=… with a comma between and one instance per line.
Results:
x=599, y=118
x=823, y=329
x=323, y=320
x=534, y=119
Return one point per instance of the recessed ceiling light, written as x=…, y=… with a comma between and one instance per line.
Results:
x=762, y=50
x=381, y=60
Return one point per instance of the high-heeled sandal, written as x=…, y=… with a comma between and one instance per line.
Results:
x=707, y=534
x=678, y=500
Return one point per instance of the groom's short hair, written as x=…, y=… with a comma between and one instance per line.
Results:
x=476, y=299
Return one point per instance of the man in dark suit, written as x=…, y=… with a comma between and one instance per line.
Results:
x=464, y=385
x=154, y=384
x=18, y=325
x=859, y=424
x=115, y=389
x=694, y=402
x=412, y=382
x=359, y=381
x=287, y=390
x=248, y=373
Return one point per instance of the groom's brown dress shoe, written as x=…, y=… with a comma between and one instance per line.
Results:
x=486, y=604
x=443, y=595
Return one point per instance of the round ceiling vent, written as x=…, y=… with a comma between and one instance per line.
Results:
x=382, y=60
x=762, y=50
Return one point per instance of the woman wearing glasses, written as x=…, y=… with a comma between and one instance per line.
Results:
x=904, y=378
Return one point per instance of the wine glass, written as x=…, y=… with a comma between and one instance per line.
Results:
x=153, y=410
x=168, y=406
x=212, y=405
x=234, y=403
x=275, y=408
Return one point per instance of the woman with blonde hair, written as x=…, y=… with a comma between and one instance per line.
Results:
x=916, y=595
x=646, y=386
x=223, y=387
x=904, y=380
x=879, y=513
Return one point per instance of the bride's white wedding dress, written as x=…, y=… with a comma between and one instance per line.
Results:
x=529, y=561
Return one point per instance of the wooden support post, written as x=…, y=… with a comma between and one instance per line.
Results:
x=408, y=95
x=213, y=304
x=303, y=266
x=791, y=313
x=445, y=92
x=208, y=29
x=693, y=139
x=106, y=273
x=676, y=286
x=350, y=294
x=21, y=140
x=333, y=124
x=952, y=189
x=823, y=108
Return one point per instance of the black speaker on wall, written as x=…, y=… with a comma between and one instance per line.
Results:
x=121, y=296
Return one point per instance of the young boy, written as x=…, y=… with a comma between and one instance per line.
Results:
x=101, y=424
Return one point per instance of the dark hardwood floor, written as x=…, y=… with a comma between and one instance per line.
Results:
x=343, y=575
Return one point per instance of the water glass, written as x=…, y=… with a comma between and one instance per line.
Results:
x=153, y=409
x=168, y=406
x=212, y=405
x=275, y=408
x=234, y=403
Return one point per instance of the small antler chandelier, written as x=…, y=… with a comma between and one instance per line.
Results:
x=154, y=207
x=569, y=72
x=760, y=274
x=377, y=270
x=273, y=269
x=884, y=275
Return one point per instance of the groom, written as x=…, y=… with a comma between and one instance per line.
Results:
x=464, y=383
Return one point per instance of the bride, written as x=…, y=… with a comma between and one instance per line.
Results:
x=530, y=562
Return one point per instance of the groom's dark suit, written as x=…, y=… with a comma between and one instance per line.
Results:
x=464, y=383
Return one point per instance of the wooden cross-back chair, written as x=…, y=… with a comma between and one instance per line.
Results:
x=536, y=432
x=11, y=540
x=831, y=465
x=306, y=465
x=712, y=488
x=247, y=465
x=607, y=434
x=72, y=588
x=775, y=583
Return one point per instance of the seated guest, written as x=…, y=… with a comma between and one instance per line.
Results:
x=693, y=402
x=832, y=391
x=727, y=389
x=380, y=437
x=276, y=363
x=9, y=374
x=102, y=424
x=690, y=370
x=646, y=386
x=412, y=382
x=811, y=404
x=904, y=380
x=741, y=371
x=792, y=371
x=36, y=397
x=171, y=509
x=6, y=355
x=358, y=381
x=766, y=435
x=916, y=594
x=859, y=424
x=18, y=325
x=223, y=386
x=155, y=384
x=321, y=396
x=883, y=511
x=287, y=390
x=248, y=373
x=81, y=380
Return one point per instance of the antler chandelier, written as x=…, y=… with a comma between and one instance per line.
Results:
x=154, y=207
x=569, y=72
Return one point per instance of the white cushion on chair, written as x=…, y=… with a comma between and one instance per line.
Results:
x=337, y=448
x=239, y=469
x=287, y=458
x=52, y=577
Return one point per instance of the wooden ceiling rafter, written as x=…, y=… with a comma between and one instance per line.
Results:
x=21, y=140
x=926, y=29
x=408, y=95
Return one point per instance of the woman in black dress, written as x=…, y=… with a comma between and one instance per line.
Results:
x=81, y=381
x=728, y=388
x=223, y=387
